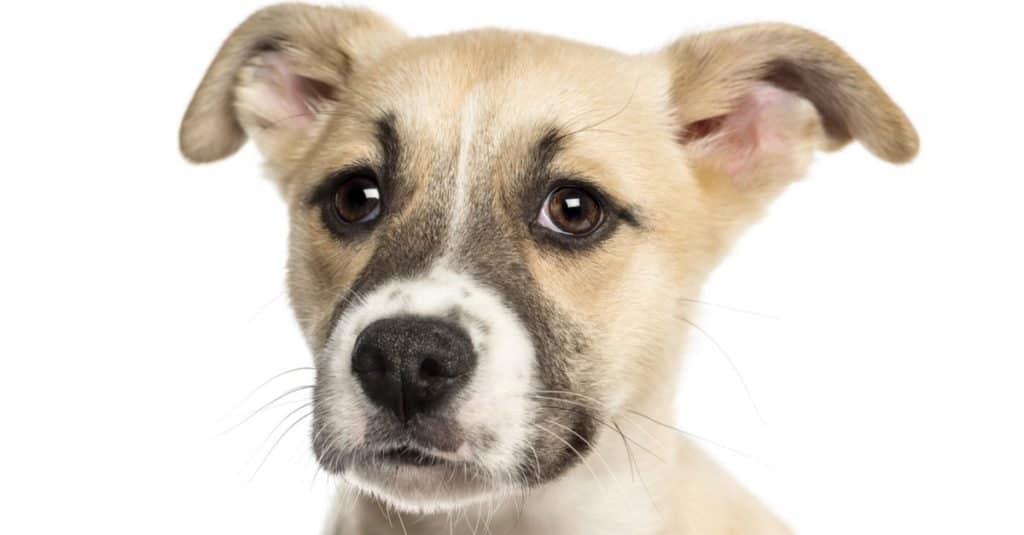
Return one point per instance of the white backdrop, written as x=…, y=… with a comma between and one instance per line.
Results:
x=141, y=298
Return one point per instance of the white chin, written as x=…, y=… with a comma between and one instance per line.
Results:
x=421, y=489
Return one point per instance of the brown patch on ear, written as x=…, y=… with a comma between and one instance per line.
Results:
x=319, y=46
x=713, y=72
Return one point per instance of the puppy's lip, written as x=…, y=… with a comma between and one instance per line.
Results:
x=416, y=455
x=408, y=455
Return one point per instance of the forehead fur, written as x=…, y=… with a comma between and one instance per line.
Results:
x=511, y=87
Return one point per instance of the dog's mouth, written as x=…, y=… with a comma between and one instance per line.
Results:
x=433, y=464
x=410, y=455
x=412, y=477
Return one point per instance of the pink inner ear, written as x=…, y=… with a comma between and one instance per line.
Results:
x=276, y=95
x=766, y=127
x=288, y=88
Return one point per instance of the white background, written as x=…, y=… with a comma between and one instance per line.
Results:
x=141, y=298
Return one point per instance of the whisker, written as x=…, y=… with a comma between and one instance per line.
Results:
x=401, y=522
x=637, y=413
x=698, y=437
x=633, y=468
x=593, y=448
x=265, y=407
x=608, y=425
x=606, y=119
x=730, y=308
x=273, y=378
x=596, y=404
x=577, y=452
x=735, y=369
x=639, y=473
x=384, y=511
x=278, y=441
x=291, y=413
x=316, y=473
x=263, y=308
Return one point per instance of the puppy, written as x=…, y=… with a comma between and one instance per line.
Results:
x=495, y=240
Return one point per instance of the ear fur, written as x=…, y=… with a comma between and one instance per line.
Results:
x=753, y=102
x=275, y=73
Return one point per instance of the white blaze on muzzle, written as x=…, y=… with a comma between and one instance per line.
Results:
x=493, y=409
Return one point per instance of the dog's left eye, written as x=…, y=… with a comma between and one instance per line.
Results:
x=358, y=200
x=572, y=211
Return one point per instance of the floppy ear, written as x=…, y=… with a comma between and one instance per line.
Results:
x=276, y=74
x=754, y=102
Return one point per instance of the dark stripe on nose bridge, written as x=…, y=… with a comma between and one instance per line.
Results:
x=407, y=241
x=491, y=251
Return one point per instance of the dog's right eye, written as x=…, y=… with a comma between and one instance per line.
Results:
x=358, y=200
x=571, y=211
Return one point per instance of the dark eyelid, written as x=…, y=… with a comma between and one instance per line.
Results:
x=629, y=215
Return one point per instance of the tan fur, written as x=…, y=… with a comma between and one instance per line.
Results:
x=628, y=115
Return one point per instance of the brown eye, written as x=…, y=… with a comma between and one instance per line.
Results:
x=358, y=200
x=571, y=210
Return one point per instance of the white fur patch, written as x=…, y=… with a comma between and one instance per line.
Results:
x=494, y=409
x=467, y=131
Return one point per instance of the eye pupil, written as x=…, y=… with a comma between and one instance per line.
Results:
x=572, y=210
x=358, y=200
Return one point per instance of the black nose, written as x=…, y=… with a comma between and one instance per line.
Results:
x=411, y=365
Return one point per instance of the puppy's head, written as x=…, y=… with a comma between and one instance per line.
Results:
x=494, y=234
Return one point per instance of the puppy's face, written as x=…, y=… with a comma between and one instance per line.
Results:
x=494, y=235
x=481, y=246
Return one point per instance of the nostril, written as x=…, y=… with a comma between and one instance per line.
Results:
x=430, y=368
